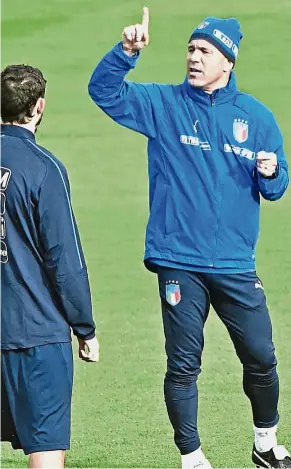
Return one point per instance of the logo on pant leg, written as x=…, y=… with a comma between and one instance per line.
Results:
x=173, y=292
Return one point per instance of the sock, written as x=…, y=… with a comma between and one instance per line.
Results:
x=265, y=438
x=192, y=459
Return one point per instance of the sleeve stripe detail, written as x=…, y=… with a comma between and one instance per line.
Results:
x=67, y=195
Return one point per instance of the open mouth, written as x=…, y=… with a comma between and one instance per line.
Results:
x=195, y=71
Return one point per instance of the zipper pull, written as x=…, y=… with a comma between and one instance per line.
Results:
x=212, y=100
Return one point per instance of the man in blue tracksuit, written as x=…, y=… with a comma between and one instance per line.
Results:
x=44, y=284
x=213, y=152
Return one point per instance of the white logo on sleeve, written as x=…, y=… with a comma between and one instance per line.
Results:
x=245, y=152
x=5, y=174
x=258, y=284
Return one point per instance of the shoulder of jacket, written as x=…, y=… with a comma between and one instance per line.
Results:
x=253, y=106
x=161, y=88
x=51, y=161
x=166, y=95
x=162, y=96
x=52, y=166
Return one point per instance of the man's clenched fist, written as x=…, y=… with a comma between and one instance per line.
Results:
x=89, y=350
x=136, y=37
x=266, y=163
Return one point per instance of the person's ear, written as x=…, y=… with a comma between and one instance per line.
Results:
x=228, y=65
x=40, y=105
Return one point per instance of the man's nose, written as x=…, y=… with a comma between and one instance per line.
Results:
x=195, y=56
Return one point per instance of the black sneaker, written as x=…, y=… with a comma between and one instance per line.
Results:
x=276, y=457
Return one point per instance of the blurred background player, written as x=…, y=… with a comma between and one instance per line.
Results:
x=212, y=153
x=44, y=282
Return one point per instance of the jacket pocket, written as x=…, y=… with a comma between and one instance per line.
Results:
x=162, y=217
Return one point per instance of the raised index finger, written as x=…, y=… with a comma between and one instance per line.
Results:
x=145, y=17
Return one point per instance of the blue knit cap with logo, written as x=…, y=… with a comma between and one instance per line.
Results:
x=224, y=34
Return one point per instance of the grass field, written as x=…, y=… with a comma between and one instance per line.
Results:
x=119, y=417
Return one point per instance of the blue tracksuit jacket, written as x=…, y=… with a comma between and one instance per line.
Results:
x=44, y=283
x=204, y=187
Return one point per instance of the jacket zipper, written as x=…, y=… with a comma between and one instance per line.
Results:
x=214, y=133
x=212, y=100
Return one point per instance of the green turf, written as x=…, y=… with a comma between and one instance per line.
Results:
x=119, y=418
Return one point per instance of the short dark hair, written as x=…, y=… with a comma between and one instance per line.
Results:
x=21, y=87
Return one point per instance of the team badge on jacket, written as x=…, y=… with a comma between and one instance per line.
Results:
x=240, y=130
x=173, y=292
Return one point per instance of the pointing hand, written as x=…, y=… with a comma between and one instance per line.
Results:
x=136, y=37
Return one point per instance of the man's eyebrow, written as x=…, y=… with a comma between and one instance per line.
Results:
x=202, y=48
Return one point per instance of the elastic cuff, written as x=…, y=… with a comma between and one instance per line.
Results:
x=85, y=337
x=257, y=429
x=130, y=59
x=44, y=448
x=190, y=448
x=268, y=424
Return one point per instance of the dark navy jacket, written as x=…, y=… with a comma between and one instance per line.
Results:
x=45, y=288
x=204, y=189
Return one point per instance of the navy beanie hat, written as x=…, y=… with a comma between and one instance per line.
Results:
x=224, y=34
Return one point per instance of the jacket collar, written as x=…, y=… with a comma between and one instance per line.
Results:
x=218, y=96
x=16, y=131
